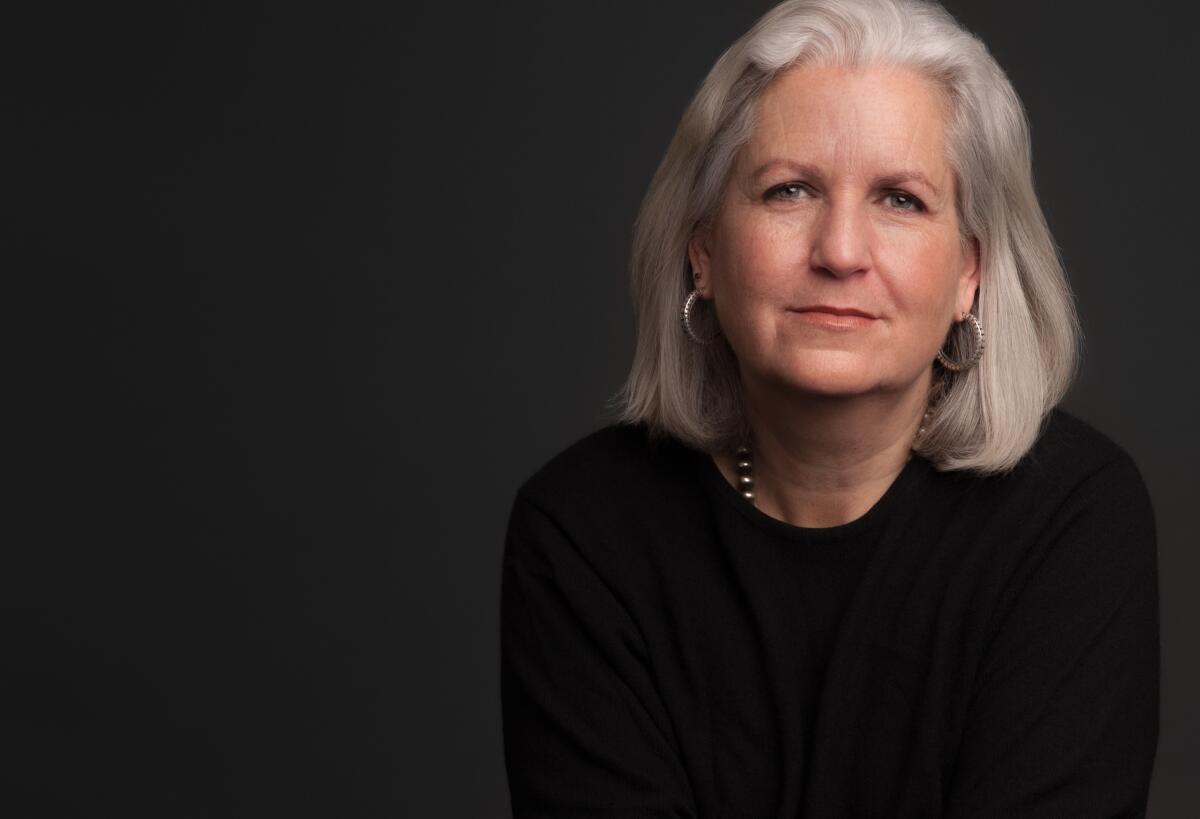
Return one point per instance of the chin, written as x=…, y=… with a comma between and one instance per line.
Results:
x=831, y=376
x=833, y=387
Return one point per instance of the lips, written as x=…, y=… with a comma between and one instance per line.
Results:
x=834, y=311
x=833, y=319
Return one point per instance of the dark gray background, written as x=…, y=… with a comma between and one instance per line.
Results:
x=295, y=299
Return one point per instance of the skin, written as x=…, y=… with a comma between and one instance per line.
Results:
x=817, y=212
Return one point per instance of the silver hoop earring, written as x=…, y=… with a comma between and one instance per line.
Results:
x=973, y=359
x=685, y=316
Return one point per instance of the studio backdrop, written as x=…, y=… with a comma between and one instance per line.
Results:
x=295, y=297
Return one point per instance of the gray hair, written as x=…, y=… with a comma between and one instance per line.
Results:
x=986, y=418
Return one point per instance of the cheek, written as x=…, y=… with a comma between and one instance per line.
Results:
x=759, y=258
x=924, y=294
x=929, y=288
x=754, y=272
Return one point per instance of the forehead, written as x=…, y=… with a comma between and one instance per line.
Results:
x=874, y=118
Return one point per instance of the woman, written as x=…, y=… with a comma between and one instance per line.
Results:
x=841, y=555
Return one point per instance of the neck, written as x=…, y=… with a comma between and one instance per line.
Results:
x=823, y=461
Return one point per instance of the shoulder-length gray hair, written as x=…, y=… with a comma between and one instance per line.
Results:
x=986, y=418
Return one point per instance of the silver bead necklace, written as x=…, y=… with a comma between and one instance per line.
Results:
x=745, y=464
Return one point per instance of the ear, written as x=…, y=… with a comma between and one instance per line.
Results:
x=968, y=281
x=701, y=259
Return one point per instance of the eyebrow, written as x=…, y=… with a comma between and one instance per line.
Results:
x=888, y=180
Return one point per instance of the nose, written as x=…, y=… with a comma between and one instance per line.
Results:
x=840, y=244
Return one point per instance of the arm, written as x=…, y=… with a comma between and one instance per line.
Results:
x=1064, y=716
x=585, y=732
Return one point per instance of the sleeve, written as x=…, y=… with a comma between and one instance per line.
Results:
x=1064, y=715
x=585, y=731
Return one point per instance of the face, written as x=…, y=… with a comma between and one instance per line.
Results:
x=834, y=262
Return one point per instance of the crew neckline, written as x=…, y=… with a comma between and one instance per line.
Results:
x=869, y=520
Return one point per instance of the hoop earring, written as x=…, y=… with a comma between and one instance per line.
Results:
x=685, y=316
x=973, y=359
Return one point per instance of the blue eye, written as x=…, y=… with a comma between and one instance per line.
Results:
x=792, y=190
x=785, y=191
x=906, y=201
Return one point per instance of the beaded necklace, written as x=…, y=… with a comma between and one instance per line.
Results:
x=745, y=464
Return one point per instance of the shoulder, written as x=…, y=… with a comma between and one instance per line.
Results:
x=608, y=470
x=613, y=447
x=1066, y=437
x=1077, y=492
x=1075, y=479
x=1072, y=456
x=607, y=501
x=1074, y=523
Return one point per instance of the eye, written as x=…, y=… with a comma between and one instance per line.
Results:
x=906, y=201
x=788, y=190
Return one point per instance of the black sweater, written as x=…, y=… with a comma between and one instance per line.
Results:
x=970, y=647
